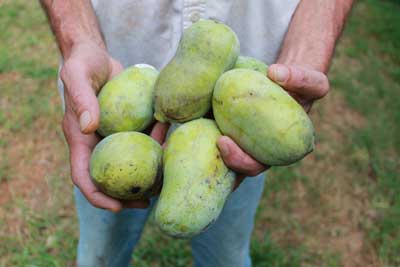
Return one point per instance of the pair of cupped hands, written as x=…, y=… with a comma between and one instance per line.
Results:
x=89, y=66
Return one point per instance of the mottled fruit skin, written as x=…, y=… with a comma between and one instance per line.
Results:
x=184, y=88
x=125, y=165
x=126, y=102
x=251, y=63
x=196, y=180
x=262, y=118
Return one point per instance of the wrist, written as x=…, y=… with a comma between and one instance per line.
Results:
x=84, y=47
x=312, y=34
x=302, y=56
x=73, y=23
x=69, y=39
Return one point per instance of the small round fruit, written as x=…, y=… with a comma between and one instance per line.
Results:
x=126, y=101
x=125, y=165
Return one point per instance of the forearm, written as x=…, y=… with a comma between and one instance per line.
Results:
x=72, y=22
x=313, y=32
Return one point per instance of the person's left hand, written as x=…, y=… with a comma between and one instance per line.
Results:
x=304, y=84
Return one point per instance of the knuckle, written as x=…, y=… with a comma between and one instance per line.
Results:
x=75, y=96
x=66, y=70
x=299, y=77
x=64, y=73
x=326, y=86
x=302, y=77
x=75, y=180
x=323, y=87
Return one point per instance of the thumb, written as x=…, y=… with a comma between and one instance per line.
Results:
x=81, y=100
x=87, y=110
x=159, y=132
x=300, y=80
x=116, y=68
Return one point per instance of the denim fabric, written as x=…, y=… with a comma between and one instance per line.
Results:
x=107, y=239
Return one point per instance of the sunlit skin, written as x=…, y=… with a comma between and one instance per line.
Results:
x=301, y=69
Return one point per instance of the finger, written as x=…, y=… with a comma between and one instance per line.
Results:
x=80, y=155
x=236, y=159
x=94, y=196
x=116, y=68
x=159, y=131
x=305, y=82
x=81, y=97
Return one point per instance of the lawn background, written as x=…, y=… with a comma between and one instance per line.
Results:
x=338, y=207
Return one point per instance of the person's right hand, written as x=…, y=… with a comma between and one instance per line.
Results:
x=83, y=73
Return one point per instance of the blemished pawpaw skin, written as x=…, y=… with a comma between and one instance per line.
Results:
x=196, y=180
x=184, y=88
x=126, y=102
x=262, y=118
x=244, y=62
x=126, y=165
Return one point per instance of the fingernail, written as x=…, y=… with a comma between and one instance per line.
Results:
x=84, y=120
x=224, y=149
x=114, y=209
x=281, y=73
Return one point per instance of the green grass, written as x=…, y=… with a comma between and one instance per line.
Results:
x=18, y=22
x=268, y=254
x=374, y=91
x=49, y=237
x=298, y=202
x=156, y=249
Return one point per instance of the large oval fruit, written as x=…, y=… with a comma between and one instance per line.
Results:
x=196, y=180
x=126, y=102
x=184, y=88
x=125, y=165
x=262, y=118
x=252, y=63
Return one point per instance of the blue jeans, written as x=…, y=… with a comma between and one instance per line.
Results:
x=108, y=239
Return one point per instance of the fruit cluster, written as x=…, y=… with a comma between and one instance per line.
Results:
x=206, y=73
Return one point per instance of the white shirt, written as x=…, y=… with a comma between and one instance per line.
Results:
x=148, y=31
